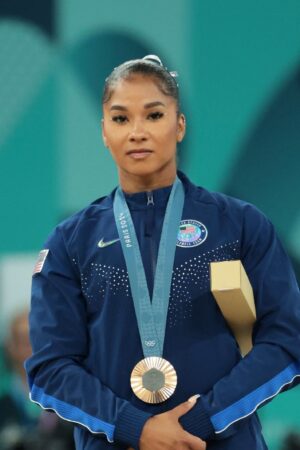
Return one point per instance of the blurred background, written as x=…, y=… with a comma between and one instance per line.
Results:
x=239, y=74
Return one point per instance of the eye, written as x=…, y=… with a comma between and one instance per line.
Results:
x=155, y=115
x=119, y=119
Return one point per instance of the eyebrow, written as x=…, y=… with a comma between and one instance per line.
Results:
x=146, y=106
x=153, y=104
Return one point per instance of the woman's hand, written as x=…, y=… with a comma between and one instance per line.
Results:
x=164, y=432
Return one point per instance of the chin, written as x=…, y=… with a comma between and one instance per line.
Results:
x=144, y=170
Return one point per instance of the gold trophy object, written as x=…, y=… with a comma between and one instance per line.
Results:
x=233, y=292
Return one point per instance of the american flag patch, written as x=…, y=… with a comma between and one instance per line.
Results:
x=40, y=262
x=187, y=229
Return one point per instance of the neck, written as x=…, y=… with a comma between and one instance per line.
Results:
x=136, y=183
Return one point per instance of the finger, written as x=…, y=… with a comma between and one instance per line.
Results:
x=196, y=443
x=184, y=407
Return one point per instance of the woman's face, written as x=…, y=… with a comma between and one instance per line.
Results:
x=141, y=128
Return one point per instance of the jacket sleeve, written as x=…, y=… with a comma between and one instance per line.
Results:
x=273, y=364
x=56, y=371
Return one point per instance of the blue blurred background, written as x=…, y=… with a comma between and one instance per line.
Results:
x=239, y=74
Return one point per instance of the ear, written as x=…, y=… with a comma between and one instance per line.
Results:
x=103, y=133
x=181, y=128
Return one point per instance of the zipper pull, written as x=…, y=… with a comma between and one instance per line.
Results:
x=150, y=200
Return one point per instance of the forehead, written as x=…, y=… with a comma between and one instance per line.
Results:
x=138, y=88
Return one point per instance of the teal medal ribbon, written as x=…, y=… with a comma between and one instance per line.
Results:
x=153, y=379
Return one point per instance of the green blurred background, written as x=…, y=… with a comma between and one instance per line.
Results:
x=239, y=74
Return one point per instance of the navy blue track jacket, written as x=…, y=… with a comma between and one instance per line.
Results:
x=85, y=337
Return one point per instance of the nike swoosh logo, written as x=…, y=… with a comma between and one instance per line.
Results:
x=102, y=244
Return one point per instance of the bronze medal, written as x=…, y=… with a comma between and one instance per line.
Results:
x=153, y=380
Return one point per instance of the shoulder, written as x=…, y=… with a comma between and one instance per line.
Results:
x=68, y=229
x=231, y=207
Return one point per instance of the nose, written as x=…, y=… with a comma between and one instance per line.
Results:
x=138, y=132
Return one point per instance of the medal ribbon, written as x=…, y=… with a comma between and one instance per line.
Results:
x=151, y=316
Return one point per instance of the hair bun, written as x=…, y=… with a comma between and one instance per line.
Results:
x=154, y=59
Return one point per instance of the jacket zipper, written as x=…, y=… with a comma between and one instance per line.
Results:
x=149, y=233
x=150, y=200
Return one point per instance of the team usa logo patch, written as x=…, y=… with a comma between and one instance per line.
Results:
x=191, y=233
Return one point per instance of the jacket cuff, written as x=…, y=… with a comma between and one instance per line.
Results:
x=197, y=422
x=129, y=426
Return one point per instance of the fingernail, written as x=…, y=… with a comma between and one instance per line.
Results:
x=194, y=398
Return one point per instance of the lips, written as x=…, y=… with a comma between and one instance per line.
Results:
x=139, y=153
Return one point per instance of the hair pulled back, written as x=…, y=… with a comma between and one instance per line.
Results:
x=151, y=66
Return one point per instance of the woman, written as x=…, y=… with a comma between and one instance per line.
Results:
x=124, y=328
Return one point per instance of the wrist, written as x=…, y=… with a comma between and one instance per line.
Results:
x=197, y=422
x=130, y=425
